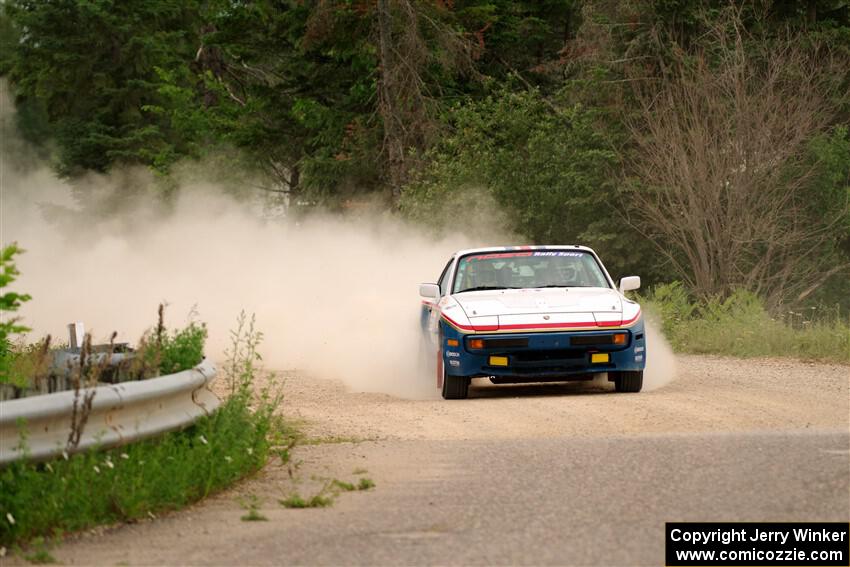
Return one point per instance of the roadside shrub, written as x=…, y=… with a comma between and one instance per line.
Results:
x=671, y=303
x=741, y=326
x=160, y=352
x=183, y=349
x=145, y=478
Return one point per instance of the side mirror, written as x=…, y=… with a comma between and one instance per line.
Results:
x=429, y=290
x=629, y=283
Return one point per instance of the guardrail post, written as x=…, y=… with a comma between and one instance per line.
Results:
x=77, y=332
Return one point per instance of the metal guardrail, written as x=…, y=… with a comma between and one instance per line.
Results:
x=120, y=413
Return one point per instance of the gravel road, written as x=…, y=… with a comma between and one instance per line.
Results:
x=562, y=474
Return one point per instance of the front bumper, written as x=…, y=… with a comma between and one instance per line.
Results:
x=542, y=356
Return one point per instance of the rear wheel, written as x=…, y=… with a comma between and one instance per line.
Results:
x=455, y=387
x=628, y=381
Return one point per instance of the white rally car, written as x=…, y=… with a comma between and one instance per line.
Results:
x=532, y=314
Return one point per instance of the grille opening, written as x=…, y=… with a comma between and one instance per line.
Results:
x=547, y=356
x=530, y=379
x=505, y=343
x=592, y=340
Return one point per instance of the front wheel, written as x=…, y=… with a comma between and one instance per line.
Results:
x=628, y=381
x=455, y=387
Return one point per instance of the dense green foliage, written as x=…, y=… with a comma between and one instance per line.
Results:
x=548, y=168
x=92, y=72
x=161, y=352
x=147, y=477
x=553, y=110
x=184, y=349
x=741, y=326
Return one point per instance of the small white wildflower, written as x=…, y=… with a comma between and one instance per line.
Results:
x=97, y=469
x=65, y=455
x=11, y=518
x=125, y=456
x=203, y=439
x=250, y=450
x=109, y=464
x=228, y=458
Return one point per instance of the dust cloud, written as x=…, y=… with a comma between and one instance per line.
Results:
x=336, y=298
x=660, y=360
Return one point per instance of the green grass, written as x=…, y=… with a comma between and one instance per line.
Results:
x=40, y=557
x=741, y=326
x=147, y=477
x=38, y=552
x=326, y=496
x=253, y=516
x=362, y=484
x=342, y=485
x=252, y=504
x=295, y=500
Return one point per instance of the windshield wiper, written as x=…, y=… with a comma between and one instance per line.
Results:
x=485, y=288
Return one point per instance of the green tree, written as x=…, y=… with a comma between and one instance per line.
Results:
x=10, y=301
x=547, y=166
x=93, y=68
x=296, y=90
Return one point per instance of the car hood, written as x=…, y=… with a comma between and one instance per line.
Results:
x=539, y=301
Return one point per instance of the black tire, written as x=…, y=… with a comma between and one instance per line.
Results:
x=455, y=387
x=628, y=381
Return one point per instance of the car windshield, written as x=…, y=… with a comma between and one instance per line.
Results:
x=528, y=269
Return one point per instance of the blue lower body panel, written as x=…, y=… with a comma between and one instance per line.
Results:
x=543, y=356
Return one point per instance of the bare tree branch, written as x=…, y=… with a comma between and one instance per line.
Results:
x=722, y=138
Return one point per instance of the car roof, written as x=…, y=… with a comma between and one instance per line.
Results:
x=519, y=248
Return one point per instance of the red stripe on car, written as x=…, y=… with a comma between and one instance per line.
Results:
x=529, y=326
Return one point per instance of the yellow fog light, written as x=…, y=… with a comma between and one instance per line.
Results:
x=498, y=361
x=597, y=357
x=452, y=342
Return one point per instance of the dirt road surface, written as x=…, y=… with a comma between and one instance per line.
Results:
x=562, y=474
